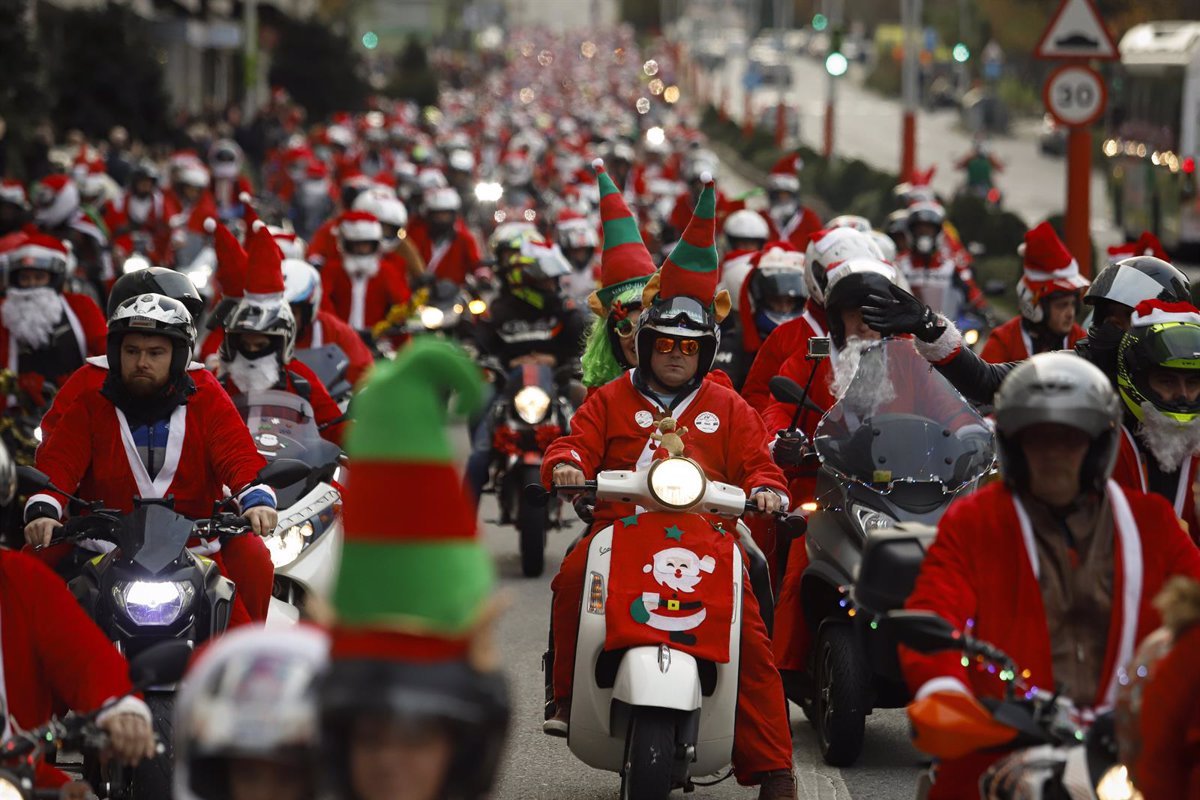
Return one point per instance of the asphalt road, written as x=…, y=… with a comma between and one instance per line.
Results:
x=538, y=767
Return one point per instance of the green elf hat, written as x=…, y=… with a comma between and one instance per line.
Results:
x=691, y=269
x=413, y=577
x=625, y=262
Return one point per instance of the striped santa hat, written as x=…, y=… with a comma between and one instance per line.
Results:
x=624, y=262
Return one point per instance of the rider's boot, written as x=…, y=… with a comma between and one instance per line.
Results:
x=778, y=785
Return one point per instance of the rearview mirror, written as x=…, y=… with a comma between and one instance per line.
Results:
x=30, y=479
x=159, y=664
x=923, y=631
x=786, y=390
x=283, y=472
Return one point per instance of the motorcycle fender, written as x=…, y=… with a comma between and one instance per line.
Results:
x=645, y=679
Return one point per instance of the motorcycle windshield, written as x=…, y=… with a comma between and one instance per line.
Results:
x=328, y=363
x=282, y=424
x=153, y=536
x=898, y=419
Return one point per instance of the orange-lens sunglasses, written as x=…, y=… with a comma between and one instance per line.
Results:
x=689, y=347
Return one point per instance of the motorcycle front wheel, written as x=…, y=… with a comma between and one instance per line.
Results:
x=841, y=697
x=531, y=527
x=649, y=755
x=154, y=778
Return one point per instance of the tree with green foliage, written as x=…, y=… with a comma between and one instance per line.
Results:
x=103, y=71
x=320, y=69
x=22, y=101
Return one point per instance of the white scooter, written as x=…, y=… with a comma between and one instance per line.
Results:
x=654, y=714
x=306, y=545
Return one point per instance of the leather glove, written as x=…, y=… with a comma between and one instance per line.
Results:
x=585, y=510
x=899, y=312
x=789, y=449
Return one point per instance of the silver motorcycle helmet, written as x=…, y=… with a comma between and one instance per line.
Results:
x=1062, y=389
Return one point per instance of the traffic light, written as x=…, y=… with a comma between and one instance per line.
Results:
x=820, y=22
x=836, y=62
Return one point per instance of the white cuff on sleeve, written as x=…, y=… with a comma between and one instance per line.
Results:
x=45, y=498
x=942, y=683
x=942, y=348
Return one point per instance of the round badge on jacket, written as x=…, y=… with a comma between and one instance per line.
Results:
x=643, y=418
x=708, y=422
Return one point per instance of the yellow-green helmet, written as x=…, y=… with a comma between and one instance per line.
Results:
x=1165, y=335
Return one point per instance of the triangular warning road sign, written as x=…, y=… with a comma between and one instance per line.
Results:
x=1076, y=31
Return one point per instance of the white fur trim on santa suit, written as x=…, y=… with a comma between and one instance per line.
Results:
x=817, y=328
x=358, y=302
x=1158, y=316
x=33, y=251
x=318, y=334
x=1130, y=543
x=943, y=348
x=1071, y=270
x=48, y=500
x=942, y=683
x=126, y=705
x=157, y=487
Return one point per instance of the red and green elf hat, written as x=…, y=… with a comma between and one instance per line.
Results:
x=691, y=268
x=625, y=262
x=413, y=577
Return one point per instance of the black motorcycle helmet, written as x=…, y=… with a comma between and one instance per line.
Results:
x=896, y=227
x=470, y=707
x=851, y=283
x=685, y=318
x=153, y=314
x=156, y=280
x=1132, y=280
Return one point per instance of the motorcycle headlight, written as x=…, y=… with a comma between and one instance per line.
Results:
x=1115, y=785
x=488, y=192
x=871, y=520
x=477, y=306
x=153, y=602
x=285, y=545
x=532, y=403
x=677, y=482
x=134, y=263
x=9, y=790
x=431, y=317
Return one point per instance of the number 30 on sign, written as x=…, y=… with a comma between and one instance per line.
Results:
x=1075, y=95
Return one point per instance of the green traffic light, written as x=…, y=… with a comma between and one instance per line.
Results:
x=836, y=64
x=961, y=53
x=820, y=22
x=370, y=40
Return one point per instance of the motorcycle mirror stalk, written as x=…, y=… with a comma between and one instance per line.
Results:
x=31, y=478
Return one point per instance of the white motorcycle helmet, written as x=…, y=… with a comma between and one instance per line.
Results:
x=387, y=208
x=860, y=224
x=830, y=247
x=746, y=227
x=302, y=290
x=250, y=695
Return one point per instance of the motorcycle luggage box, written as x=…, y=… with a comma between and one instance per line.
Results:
x=890, y=563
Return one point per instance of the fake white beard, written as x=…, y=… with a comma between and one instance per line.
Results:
x=253, y=374
x=31, y=315
x=862, y=383
x=782, y=213
x=361, y=266
x=1170, y=442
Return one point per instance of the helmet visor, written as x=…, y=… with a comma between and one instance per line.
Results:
x=682, y=312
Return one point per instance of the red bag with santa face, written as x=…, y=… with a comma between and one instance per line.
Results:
x=671, y=582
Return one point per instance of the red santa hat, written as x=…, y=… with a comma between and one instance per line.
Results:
x=785, y=173
x=38, y=251
x=13, y=191
x=249, y=214
x=359, y=226
x=1146, y=245
x=691, y=270
x=231, y=259
x=1048, y=268
x=1156, y=312
x=264, y=266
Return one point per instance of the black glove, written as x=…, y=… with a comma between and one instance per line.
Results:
x=899, y=312
x=585, y=509
x=790, y=448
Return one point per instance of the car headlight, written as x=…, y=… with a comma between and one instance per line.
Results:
x=1115, y=785
x=871, y=520
x=431, y=317
x=677, y=482
x=286, y=545
x=134, y=263
x=488, y=192
x=153, y=602
x=532, y=403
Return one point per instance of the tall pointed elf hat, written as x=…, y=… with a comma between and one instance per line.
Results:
x=264, y=272
x=625, y=262
x=231, y=259
x=691, y=269
x=414, y=577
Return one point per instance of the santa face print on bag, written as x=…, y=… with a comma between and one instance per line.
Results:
x=676, y=570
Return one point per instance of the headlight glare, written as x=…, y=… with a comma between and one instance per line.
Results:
x=199, y=277
x=532, y=404
x=286, y=545
x=134, y=263
x=432, y=316
x=153, y=602
x=677, y=482
x=1115, y=785
x=488, y=192
x=9, y=790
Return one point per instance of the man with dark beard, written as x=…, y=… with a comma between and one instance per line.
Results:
x=47, y=333
x=1158, y=376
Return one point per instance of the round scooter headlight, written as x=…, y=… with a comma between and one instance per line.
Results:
x=9, y=789
x=1115, y=785
x=532, y=404
x=286, y=545
x=677, y=482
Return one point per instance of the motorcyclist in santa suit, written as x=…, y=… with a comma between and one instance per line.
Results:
x=316, y=327
x=142, y=426
x=676, y=345
x=1057, y=565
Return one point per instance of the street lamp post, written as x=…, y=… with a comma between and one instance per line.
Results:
x=911, y=10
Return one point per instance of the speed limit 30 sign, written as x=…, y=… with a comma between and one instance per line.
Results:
x=1075, y=95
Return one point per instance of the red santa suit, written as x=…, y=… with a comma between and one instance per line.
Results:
x=800, y=228
x=790, y=337
x=934, y=278
x=451, y=259
x=54, y=655
x=328, y=329
x=1011, y=342
x=88, y=327
x=1168, y=765
x=324, y=243
x=153, y=215
x=1130, y=472
x=90, y=452
x=981, y=574
x=329, y=418
x=612, y=431
x=364, y=301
